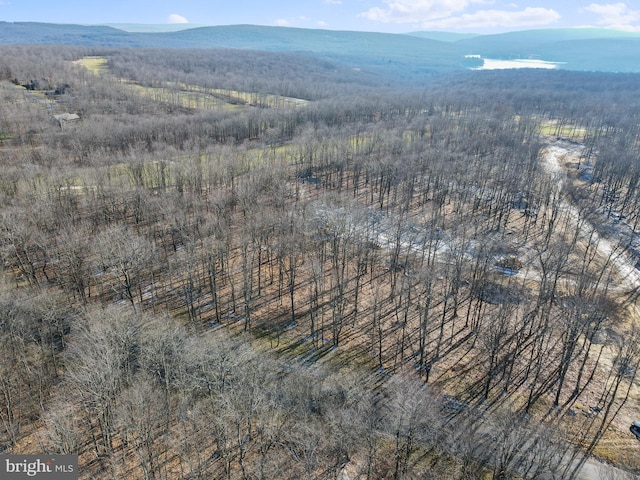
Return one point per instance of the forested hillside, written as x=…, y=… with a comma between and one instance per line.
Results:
x=242, y=265
x=414, y=57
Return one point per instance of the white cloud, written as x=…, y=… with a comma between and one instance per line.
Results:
x=450, y=14
x=415, y=11
x=529, y=17
x=616, y=15
x=333, y=2
x=292, y=21
x=322, y=23
x=175, y=18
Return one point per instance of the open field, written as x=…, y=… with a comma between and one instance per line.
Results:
x=557, y=129
x=95, y=64
x=194, y=96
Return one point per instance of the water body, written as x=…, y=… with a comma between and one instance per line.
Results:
x=499, y=64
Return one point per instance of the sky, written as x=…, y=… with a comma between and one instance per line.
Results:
x=392, y=16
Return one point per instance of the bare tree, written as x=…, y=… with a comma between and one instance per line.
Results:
x=100, y=363
x=141, y=415
x=521, y=448
x=413, y=421
x=125, y=259
x=63, y=432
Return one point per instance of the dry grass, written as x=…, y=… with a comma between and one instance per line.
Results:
x=94, y=64
x=194, y=96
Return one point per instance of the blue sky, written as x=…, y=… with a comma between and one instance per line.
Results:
x=396, y=16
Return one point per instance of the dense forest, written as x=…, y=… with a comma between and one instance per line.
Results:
x=415, y=56
x=251, y=265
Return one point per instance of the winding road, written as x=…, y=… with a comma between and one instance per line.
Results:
x=556, y=155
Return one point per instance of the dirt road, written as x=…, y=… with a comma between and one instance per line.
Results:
x=558, y=154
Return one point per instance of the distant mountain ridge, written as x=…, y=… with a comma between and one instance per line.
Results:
x=151, y=27
x=444, y=36
x=590, y=49
x=411, y=55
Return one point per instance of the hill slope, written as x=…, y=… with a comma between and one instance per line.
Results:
x=587, y=49
x=411, y=56
x=405, y=55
